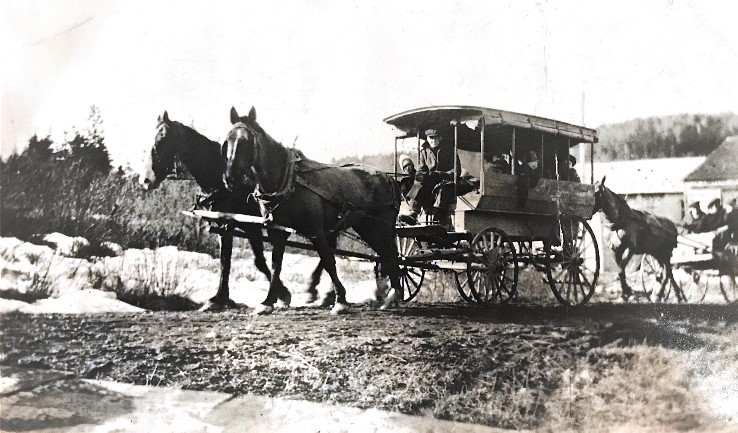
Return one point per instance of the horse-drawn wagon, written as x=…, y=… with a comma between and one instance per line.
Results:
x=707, y=264
x=522, y=217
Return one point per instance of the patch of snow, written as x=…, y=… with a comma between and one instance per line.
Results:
x=83, y=301
x=165, y=270
x=113, y=248
x=66, y=245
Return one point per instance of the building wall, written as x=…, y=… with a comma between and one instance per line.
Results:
x=704, y=192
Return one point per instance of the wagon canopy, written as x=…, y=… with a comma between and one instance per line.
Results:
x=498, y=125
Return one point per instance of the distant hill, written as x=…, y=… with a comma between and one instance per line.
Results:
x=652, y=137
x=665, y=137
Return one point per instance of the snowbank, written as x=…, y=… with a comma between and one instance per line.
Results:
x=83, y=301
x=70, y=281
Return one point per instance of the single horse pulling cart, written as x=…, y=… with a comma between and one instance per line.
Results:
x=518, y=217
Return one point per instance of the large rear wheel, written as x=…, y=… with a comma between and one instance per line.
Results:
x=573, y=260
x=492, y=267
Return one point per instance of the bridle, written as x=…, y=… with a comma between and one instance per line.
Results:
x=156, y=154
x=268, y=200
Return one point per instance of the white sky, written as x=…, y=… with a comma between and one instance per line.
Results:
x=330, y=71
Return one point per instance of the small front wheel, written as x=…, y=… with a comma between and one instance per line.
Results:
x=411, y=278
x=492, y=267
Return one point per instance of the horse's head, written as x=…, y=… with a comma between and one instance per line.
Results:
x=240, y=151
x=599, y=192
x=159, y=162
x=607, y=201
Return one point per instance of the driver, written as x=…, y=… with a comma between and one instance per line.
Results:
x=433, y=190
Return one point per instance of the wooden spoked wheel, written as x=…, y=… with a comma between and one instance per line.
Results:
x=492, y=267
x=411, y=278
x=463, y=286
x=573, y=260
x=728, y=262
x=694, y=286
x=653, y=276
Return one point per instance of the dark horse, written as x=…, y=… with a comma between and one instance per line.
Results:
x=202, y=158
x=317, y=200
x=640, y=233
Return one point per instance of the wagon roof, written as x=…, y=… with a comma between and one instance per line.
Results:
x=412, y=121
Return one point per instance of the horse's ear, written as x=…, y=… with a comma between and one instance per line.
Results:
x=165, y=117
x=234, y=115
x=603, y=180
x=252, y=114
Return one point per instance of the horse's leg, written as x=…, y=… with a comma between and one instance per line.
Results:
x=330, y=298
x=328, y=260
x=625, y=254
x=381, y=238
x=277, y=290
x=257, y=246
x=670, y=279
x=222, y=299
x=314, y=281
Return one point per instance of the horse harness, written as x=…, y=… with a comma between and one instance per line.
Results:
x=269, y=202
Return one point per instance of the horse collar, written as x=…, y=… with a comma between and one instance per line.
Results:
x=269, y=201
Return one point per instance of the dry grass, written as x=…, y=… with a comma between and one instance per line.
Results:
x=644, y=387
x=154, y=282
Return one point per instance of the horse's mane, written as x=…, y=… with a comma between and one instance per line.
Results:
x=197, y=135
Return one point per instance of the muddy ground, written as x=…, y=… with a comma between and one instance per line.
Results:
x=517, y=366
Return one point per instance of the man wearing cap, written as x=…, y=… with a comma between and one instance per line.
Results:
x=694, y=221
x=715, y=215
x=434, y=181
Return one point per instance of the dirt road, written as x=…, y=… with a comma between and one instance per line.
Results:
x=516, y=366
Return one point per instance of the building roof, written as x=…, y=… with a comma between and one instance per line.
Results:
x=645, y=176
x=721, y=164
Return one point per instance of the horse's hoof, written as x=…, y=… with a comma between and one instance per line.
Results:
x=213, y=305
x=262, y=310
x=392, y=301
x=312, y=297
x=340, y=308
x=330, y=299
x=285, y=299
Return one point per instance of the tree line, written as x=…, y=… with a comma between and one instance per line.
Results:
x=72, y=188
x=664, y=137
x=653, y=137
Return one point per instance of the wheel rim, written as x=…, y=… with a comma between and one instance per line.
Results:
x=573, y=261
x=411, y=278
x=462, y=285
x=492, y=267
x=652, y=275
x=693, y=288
